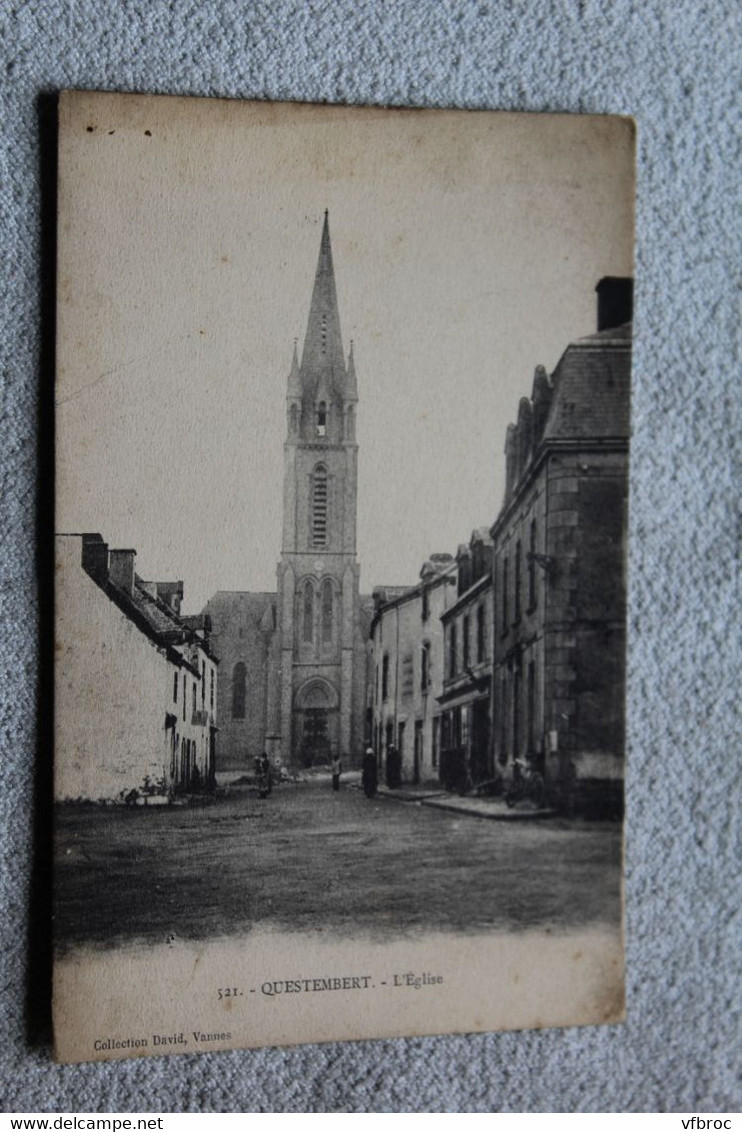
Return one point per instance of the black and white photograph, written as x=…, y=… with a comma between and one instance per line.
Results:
x=342, y=434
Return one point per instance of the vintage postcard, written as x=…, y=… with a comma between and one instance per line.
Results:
x=342, y=410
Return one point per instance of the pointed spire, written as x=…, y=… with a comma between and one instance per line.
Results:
x=294, y=383
x=351, y=387
x=323, y=345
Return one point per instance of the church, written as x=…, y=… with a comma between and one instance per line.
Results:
x=293, y=664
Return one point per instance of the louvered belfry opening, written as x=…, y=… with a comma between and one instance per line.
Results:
x=319, y=508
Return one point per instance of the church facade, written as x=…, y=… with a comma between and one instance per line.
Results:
x=294, y=662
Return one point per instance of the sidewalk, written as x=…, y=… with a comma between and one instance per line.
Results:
x=493, y=808
x=410, y=793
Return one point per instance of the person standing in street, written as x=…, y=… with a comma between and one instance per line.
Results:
x=265, y=766
x=393, y=768
x=369, y=776
x=337, y=770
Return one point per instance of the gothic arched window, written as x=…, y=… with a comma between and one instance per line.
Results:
x=326, y=611
x=319, y=507
x=239, y=688
x=308, y=611
x=322, y=419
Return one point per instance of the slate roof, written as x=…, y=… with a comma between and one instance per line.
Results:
x=591, y=388
x=223, y=606
x=158, y=613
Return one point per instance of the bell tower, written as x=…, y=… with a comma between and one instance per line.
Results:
x=318, y=575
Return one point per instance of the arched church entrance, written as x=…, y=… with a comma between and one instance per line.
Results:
x=315, y=723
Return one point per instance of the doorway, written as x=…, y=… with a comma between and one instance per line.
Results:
x=418, y=752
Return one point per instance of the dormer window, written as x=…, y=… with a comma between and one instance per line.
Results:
x=322, y=419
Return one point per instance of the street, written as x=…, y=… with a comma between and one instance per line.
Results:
x=308, y=858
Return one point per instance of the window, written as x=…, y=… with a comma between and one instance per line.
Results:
x=203, y=682
x=532, y=567
x=327, y=611
x=516, y=607
x=452, y=645
x=322, y=419
x=425, y=666
x=194, y=697
x=175, y=688
x=185, y=689
x=480, y=634
x=385, y=677
x=319, y=507
x=504, y=595
x=465, y=641
x=239, y=682
x=212, y=689
x=308, y=612
x=436, y=739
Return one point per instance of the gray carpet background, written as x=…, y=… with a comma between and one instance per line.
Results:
x=675, y=66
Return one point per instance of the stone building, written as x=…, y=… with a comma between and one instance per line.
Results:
x=559, y=553
x=407, y=668
x=465, y=699
x=294, y=675
x=243, y=629
x=135, y=681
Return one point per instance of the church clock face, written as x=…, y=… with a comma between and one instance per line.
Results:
x=318, y=566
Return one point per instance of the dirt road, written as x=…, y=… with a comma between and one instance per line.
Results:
x=307, y=858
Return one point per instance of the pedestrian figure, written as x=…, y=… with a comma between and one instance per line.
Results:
x=369, y=776
x=336, y=772
x=393, y=768
x=261, y=778
x=265, y=766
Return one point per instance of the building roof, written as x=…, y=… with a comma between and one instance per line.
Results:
x=469, y=596
x=137, y=601
x=387, y=597
x=158, y=613
x=591, y=388
x=254, y=607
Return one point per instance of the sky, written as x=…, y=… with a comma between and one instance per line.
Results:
x=466, y=245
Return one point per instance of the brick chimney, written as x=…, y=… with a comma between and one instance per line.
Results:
x=121, y=569
x=615, y=301
x=95, y=558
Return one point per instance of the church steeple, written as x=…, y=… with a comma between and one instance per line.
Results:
x=319, y=706
x=322, y=359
